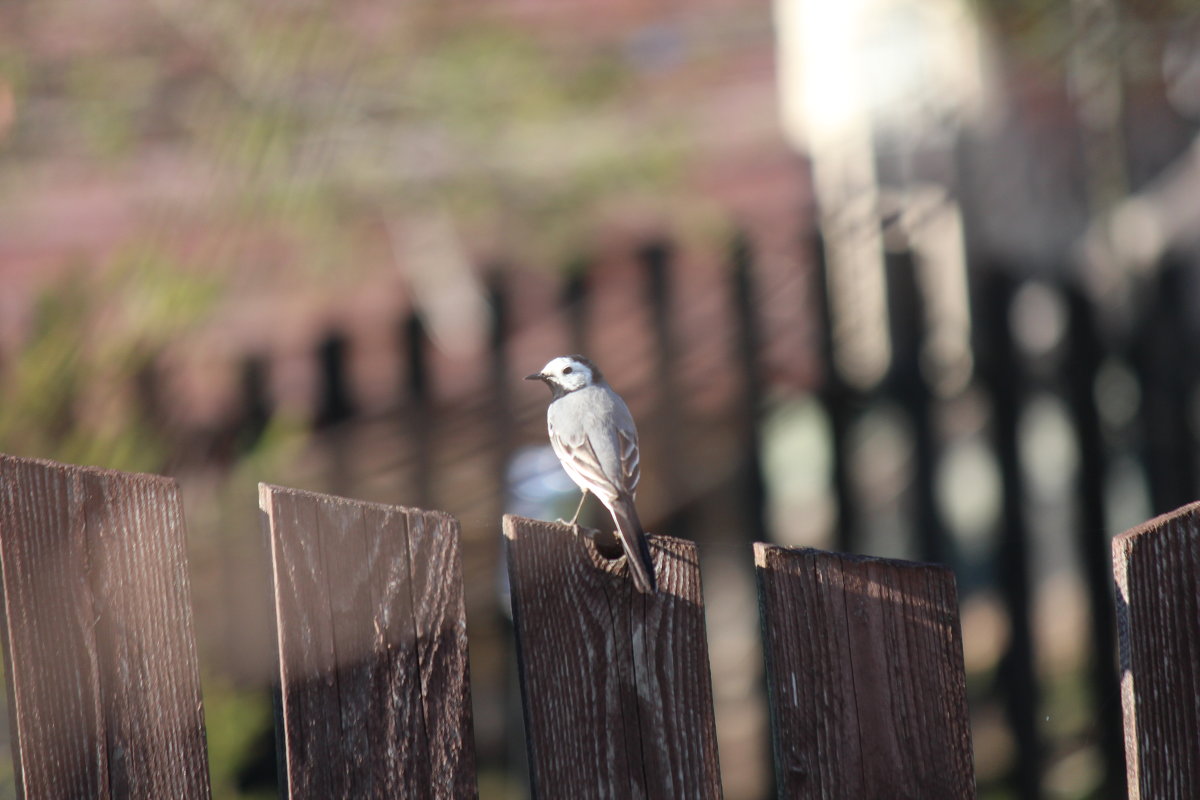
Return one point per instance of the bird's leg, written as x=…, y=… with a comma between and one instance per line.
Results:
x=582, y=498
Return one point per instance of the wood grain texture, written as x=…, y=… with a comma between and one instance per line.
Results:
x=102, y=666
x=865, y=677
x=373, y=648
x=1157, y=571
x=615, y=683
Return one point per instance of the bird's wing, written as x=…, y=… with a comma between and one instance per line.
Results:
x=625, y=442
x=631, y=460
x=579, y=458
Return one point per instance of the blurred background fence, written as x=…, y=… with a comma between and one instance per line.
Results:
x=320, y=246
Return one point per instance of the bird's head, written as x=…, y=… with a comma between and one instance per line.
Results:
x=567, y=374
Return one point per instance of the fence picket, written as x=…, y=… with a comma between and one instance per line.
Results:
x=373, y=650
x=1157, y=571
x=865, y=676
x=616, y=684
x=100, y=654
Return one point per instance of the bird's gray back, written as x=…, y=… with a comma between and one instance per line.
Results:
x=598, y=414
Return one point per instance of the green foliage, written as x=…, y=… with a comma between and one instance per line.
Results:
x=1041, y=33
x=314, y=118
x=107, y=120
x=68, y=392
x=151, y=297
x=308, y=125
x=235, y=720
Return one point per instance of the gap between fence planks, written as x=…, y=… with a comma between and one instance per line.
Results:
x=373, y=649
x=615, y=683
x=1157, y=570
x=100, y=656
x=865, y=677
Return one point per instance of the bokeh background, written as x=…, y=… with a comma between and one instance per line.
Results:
x=914, y=278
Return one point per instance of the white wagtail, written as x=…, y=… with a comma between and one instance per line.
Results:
x=593, y=435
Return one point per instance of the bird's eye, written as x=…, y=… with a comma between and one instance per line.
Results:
x=567, y=370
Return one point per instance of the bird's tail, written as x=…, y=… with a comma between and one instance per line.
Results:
x=635, y=544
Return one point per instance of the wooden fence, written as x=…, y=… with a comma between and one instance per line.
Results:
x=864, y=656
x=1157, y=571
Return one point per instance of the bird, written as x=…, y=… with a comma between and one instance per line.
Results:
x=596, y=441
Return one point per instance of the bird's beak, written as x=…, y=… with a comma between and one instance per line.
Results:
x=537, y=376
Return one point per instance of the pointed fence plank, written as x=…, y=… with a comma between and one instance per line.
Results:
x=865, y=676
x=615, y=683
x=1157, y=571
x=99, y=649
x=373, y=649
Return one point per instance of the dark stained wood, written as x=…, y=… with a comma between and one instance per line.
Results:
x=1157, y=571
x=842, y=403
x=907, y=300
x=373, y=648
x=616, y=683
x=1006, y=377
x=865, y=677
x=101, y=660
x=669, y=420
x=1082, y=364
x=417, y=412
x=751, y=484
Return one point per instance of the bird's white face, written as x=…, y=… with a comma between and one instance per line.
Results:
x=566, y=374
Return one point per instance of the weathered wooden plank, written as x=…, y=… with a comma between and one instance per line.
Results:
x=98, y=640
x=372, y=644
x=865, y=677
x=1157, y=571
x=398, y=729
x=440, y=621
x=616, y=683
